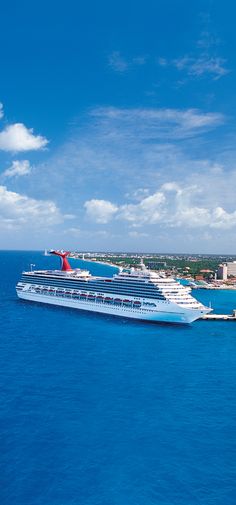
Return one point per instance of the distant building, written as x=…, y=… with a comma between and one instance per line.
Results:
x=206, y=271
x=231, y=267
x=222, y=272
x=207, y=274
x=199, y=277
x=226, y=270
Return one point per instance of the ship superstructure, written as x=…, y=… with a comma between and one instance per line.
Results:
x=134, y=293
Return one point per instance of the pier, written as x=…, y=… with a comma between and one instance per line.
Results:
x=220, y=317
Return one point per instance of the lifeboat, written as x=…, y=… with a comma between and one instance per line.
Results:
x=117, y=300
x=83, y=295
x=137, y=303
x=127, y=301
x=108, y=299
x=91, y=297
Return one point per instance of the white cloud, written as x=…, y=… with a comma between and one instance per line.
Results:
x=18, y=211
x=101, y=211
x=197, y=67
x=1, y=110
x=148, y=210
x=18, y=168
x=136, y=146
x=138, y=194
x=17, y=137
x=223, y=219
x=154, y=124
x=172, y=206
x=133, y=154
x=203, y=61
x=129, y=149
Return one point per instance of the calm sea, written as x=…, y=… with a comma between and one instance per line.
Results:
x=96, y=410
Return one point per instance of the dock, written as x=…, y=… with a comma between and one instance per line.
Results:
x=220, y=317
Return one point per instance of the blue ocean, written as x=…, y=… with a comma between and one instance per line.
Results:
x=97, y=410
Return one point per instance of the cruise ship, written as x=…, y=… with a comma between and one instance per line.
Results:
x=134, y=293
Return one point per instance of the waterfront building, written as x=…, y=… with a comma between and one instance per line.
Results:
x=231, y=269
x=226, y=270
x=222, y=272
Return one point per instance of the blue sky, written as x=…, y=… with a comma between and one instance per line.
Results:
x=117, y=126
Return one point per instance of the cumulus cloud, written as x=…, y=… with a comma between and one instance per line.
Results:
x=100, y=211
x=148, y=210
x=18, y=168
x=171, y=206
x=18, y=211
x=16, y=137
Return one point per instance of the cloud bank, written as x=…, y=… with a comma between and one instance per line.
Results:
x=20, y=211
x=171, y=206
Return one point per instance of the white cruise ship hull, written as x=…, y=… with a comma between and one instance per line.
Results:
x=165, y=312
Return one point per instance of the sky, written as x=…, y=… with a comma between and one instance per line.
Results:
x=118, y=125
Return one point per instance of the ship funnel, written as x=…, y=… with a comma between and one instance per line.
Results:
x=65, y=265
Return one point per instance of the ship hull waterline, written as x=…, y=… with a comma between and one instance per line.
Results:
x=186, y=316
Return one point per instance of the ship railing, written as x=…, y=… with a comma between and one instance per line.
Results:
x=91, y=297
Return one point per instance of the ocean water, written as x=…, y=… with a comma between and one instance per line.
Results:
x=97, y=410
